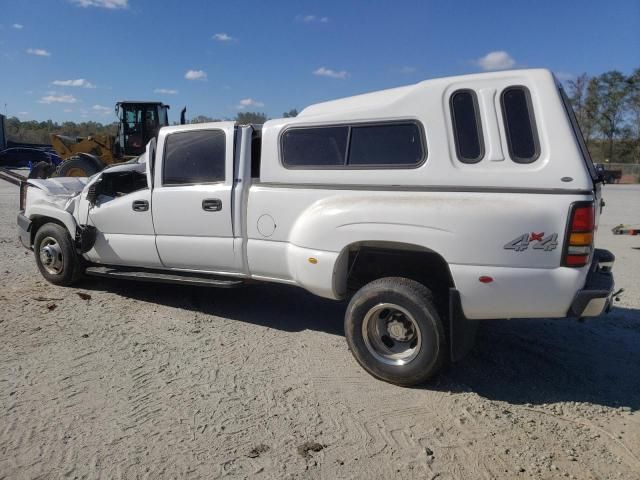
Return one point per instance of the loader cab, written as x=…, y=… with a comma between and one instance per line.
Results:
x=139, y=122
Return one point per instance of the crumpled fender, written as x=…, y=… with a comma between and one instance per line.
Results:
x=54, y=212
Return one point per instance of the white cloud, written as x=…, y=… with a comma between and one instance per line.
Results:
x=80, y=82
x=407, y=70
x=249, y=102
x=109, y=4
x=166, y=91
x=101, y=110
x=222, y=37
x=498, y=60
x=327, y=72
x=22, y=114
x=311, y=19
x=40, y=52
x=195, y=75
x=58, y=98
x=18, y=26
x=68, y=110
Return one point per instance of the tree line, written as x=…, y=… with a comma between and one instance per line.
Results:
x=32, y=131
x=607, y=108
x=244, y=117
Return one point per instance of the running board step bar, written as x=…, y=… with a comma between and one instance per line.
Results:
x=183, y=278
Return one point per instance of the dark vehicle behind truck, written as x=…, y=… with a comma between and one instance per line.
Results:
x=608, y=175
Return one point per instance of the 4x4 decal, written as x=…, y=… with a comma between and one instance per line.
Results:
x=522, y=242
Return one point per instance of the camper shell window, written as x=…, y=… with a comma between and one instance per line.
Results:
x=520, y=124
x=467, y=127
x=375, y=145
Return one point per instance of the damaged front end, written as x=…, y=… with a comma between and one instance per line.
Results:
x=57, y=200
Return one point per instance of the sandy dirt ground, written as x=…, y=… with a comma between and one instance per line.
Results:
x=123, y=380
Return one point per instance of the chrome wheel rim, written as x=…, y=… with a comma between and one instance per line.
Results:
x=51, y=256
x=391, y=334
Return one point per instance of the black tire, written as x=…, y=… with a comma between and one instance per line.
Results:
x=42, y=170
x=419, y=326
x=77, y=167
x=56, y=256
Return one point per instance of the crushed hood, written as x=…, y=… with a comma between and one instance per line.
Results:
x=60, y=186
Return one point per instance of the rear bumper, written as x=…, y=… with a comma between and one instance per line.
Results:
x=595, y=296
x=24, y=230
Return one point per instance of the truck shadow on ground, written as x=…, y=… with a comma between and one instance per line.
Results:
x=516, y=361
x=558, y=360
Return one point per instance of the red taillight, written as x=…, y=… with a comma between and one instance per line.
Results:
x=576, y=260
x=582, y=219
x=579, y=241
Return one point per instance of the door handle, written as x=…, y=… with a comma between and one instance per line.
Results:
x=212, y=205
x=140, y=205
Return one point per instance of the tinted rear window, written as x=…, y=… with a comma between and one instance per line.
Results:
x=519, y=124
x=194, y=157
x=319, y=146
x=466, y=126
x=393, y=144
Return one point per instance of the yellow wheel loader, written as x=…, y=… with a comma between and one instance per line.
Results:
x=138, y=122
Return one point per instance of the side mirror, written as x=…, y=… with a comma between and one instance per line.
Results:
x=94, y=191
x=183, y=116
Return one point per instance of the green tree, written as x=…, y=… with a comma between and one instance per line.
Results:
x=613, y=94
x=591, y=111
x=203, y=119
x=583, y=96
x=577, y=93
x=291, y=113
x=634, y=110
x=251, y=117
x=33, y=131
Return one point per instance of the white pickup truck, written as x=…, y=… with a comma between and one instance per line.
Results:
x=429, y=206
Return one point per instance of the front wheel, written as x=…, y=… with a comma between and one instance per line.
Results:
x=56, y=256
x=395, y=332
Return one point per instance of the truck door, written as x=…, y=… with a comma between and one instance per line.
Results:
x=192, y=198
x=122, y=217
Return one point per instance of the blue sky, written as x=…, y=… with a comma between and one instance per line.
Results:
x=73, y=59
